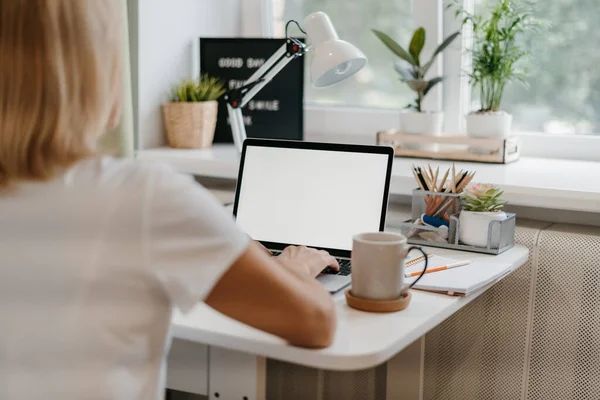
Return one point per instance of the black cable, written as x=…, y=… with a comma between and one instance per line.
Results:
x=288, y=24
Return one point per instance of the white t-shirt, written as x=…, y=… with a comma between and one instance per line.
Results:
x=91, y=264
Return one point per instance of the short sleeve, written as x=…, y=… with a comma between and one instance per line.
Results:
x=190, y=240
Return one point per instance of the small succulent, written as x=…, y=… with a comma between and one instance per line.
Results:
x=205, y=88
x=409, y=66
x=481, y=197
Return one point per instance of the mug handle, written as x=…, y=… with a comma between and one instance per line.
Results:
x=424, y=268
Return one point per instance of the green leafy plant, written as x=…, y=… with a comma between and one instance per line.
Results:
x=410, y=68
x=496, y=50
x=482, y=198
x=206, y=88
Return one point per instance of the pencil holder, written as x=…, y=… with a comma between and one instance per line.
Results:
x=434, y=204
x=431, y=213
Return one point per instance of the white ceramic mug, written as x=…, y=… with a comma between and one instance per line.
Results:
x=378, y=265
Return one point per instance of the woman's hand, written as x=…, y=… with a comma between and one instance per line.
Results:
x=306, y=260
x=278, y=297
x=263, y=248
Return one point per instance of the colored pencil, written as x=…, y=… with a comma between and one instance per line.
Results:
x=437, y=269
x=428, y=180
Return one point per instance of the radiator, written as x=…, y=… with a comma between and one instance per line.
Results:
x=565, y=338
x=292, y=382
x=536, y=335
x=533, y=336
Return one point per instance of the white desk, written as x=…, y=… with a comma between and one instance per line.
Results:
x=363, y=340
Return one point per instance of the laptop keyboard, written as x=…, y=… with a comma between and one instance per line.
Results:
x=345, y=266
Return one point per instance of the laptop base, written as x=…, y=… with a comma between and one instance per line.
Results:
x=334, y=283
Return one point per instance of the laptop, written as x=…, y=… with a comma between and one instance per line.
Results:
x=313, y=194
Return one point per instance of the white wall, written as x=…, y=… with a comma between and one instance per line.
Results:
x=166, y=32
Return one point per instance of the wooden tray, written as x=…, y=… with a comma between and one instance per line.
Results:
x=454, y=148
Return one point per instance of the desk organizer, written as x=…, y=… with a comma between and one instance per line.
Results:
x=454, y=148
x=501, y=234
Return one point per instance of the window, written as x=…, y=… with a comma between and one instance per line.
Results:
x=376, y=85
x=564, y=75
x=558, y=116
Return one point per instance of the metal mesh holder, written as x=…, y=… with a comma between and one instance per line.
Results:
x=501, y=234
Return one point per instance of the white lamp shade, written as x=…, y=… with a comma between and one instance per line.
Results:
x=334, y=60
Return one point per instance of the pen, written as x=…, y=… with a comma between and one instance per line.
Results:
x=437, y=269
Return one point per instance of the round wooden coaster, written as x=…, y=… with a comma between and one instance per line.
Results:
x=380, y=306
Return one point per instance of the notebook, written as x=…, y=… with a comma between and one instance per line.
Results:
x=458, y=281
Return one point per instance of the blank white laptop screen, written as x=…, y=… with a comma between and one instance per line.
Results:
x=316, y=198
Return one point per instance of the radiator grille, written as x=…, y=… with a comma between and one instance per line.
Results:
x=480, y=352
x=565, y=349
x=287, y=381
x=369, y=384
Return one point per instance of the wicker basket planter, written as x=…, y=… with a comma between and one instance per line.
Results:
x=190, y=125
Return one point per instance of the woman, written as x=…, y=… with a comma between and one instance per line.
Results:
x=94, y=251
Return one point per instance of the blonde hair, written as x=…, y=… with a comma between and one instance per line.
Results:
x=60, y=64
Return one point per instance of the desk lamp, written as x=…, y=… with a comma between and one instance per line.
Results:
x=334, y=60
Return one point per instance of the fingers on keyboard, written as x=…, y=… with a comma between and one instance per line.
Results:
x=344, y=268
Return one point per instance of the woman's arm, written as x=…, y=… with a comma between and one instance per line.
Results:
x=195, y=251
x=279, y=295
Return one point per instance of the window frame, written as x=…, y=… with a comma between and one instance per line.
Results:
x=439, y=22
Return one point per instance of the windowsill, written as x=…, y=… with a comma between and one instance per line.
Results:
x=534, y=182
x=355, y=124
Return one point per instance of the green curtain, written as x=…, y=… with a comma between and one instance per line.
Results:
x=119, y=141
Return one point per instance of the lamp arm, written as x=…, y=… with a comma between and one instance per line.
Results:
x=268, y=77
x=256, y=82
x=238, y=130
x=267, y=64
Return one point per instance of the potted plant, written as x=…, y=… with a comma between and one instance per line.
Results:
x=481, y=204
x=191, y=115
x=495, y=58
x=415, y=120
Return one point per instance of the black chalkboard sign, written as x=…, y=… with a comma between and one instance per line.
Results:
x=276, y=112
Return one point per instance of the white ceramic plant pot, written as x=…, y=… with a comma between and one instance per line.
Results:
x=473, y=226
x=421, y=123
x=489, y=124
